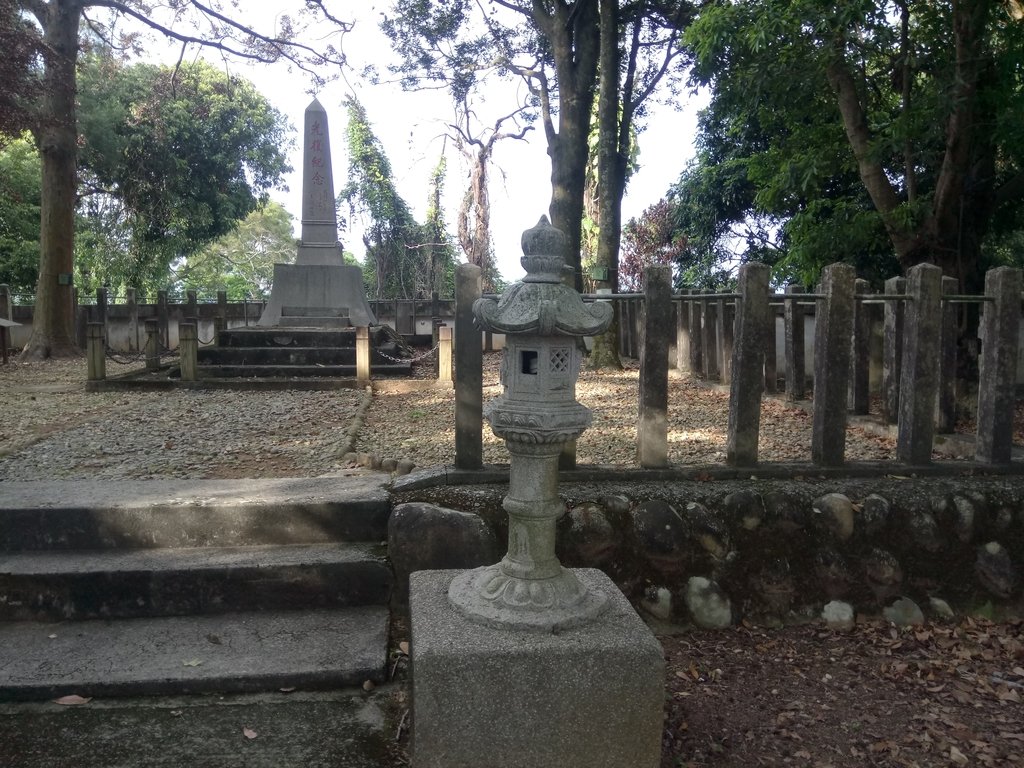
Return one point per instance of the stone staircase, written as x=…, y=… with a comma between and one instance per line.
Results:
x=171, y=587
x=286, y=351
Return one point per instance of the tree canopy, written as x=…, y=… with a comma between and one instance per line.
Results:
x=172, y=158
x=49, y=30
x=882, y=133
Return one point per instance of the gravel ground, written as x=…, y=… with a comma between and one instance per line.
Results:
x=51, y=428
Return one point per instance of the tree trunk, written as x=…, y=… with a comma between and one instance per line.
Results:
x=52, y=323
x=610, y=170
x=573, y=31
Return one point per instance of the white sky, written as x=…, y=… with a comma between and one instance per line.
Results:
x=410, y=126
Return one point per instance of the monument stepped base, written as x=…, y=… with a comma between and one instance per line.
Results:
x=287, y=351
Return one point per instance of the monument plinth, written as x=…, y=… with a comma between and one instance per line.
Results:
x=319, y=290
x=525, y=663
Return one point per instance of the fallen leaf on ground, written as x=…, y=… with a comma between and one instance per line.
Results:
x=249, y=733
x=191, y=663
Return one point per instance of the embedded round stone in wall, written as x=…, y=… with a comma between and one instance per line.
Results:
x=615, y=503
x=784, y=513
x=838, y=616
x=874, y=514
x=657, y=601
x=995, y=569
x=660, y=534
x=965, y=518
x=773, y=585
x=836, y=511
x=708, y=605
x=924, y=531
x=586, y=537
x=745, y=507
x=883, y=574
x=904, y=613
x=707, y=530
x=427, y=537
x=832, y=573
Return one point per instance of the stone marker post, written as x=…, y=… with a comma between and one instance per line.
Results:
x=709, y=338
x=526, y=663
x=859, y=398
x=444, y=354
x=833, y=327
x=188, y=349
x=945, y=413
x=152, y=345
x=5, y=303
x=469, y=385
x=771, y=371
x=652, y=422
x=363, y=354
x=163, y=316
x=726, y=338
x=683, y=334
x=919, y=385
x=793, y=318
x=693, y=312
x=96, y=352
x=754, y=319
x=892, y=348
x=997, y=375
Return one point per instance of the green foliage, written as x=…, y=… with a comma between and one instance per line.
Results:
x=777, y=177
x=397, y=263
x=176, y=157
x=19, y=215
x=242, y=261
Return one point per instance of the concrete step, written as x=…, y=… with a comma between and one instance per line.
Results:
x=318, y=356
x=315, y=729
x=255, y=336
x=288, y=371
x=116, y=514
x=230, y=653
x=52, y=586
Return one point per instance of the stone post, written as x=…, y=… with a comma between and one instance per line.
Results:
x=726, y=337
x=945, y=414
x=833, y=327
x=444, y=354
x=793, y=318
x=919, y=387
x=771, y=372
x=222, y=315
x=859, y=398
x=1000, y=337
x=652, y=424
x=188, y=350
x=6, y=305
x=469, y=377
x=754, y=318
x=131, y=301
x=192, y=305
x=683, y=334
x=78, y=321
x=363, y=354
x=102, y=303
x=693, y=312
x=152, y=344
x=163, y=317
x=628, y=349
x=96, y=352
x=892, y=348
x=709, y=339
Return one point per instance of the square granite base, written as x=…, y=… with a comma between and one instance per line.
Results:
x=591, y=697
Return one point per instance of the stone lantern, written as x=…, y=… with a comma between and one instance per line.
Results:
x=537, y=414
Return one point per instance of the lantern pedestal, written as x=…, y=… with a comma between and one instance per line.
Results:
x=589, y=697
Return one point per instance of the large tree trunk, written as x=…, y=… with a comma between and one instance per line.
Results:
x=573, y=31
x=610, y=170
x=52, y=322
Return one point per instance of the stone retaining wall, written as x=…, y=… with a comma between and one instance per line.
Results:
x=718, y=552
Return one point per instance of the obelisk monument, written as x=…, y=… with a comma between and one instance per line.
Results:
x=319, y=289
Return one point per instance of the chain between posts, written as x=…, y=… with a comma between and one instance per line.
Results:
x=414, y=359
x=121, y=359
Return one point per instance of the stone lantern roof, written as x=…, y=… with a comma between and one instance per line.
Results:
x=541, y=303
